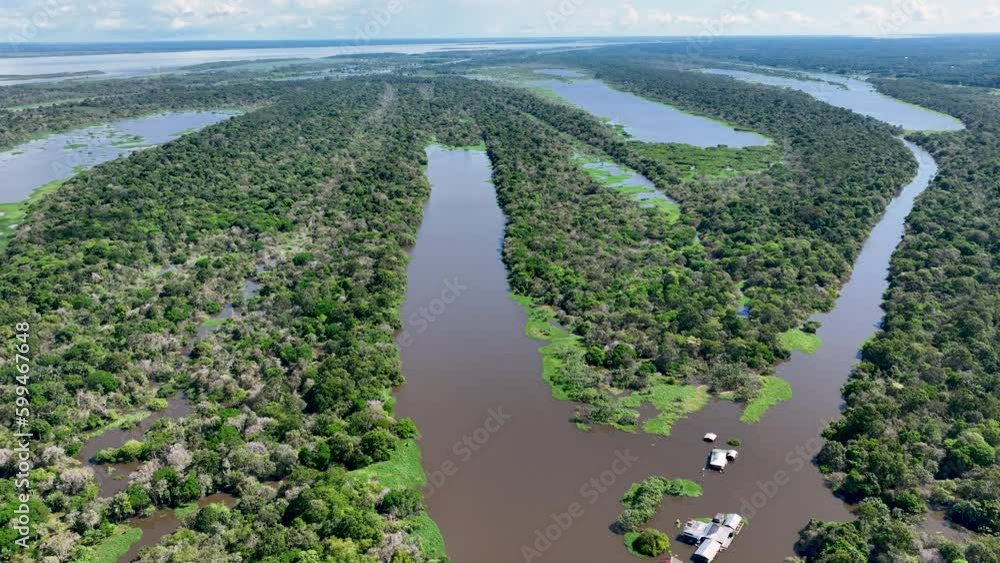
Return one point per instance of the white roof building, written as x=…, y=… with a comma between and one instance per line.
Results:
x=712, y=537
x=707, y=551
x=718, y=460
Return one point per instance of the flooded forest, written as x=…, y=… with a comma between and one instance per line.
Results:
x=604, y=304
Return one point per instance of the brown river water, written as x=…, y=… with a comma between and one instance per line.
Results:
x=512, y=479
x=112, y=478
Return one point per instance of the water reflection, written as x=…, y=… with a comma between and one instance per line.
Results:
x=645, y=120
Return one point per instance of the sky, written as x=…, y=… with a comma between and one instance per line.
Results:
x=132, y=20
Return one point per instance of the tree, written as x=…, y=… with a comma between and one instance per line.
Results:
x=651, y=543
x=378, y=445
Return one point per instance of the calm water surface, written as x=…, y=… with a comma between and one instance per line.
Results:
x=59, y=156
x=856, y=95
x=634, y=180
x=128, y=64
x=112, y=478
x=646, y=120
x=506, y=465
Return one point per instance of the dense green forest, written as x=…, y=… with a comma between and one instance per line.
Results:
x=922, y=425
x=117, y=269
x=30, y=110
x=316, y=192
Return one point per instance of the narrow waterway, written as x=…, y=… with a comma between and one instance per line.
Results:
x=645, y=120
x=112, y=478
x=164, y=522
x=856, y=95
x=512, y=479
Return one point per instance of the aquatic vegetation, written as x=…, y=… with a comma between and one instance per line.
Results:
x=774, y=390
x=672, y=401
x=112, y=547
x=643, y=499
x=12, y=214
x=798, y=340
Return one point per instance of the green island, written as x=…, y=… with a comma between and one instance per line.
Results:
x=642, y=502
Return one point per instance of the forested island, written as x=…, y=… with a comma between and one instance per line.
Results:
x=255, y=270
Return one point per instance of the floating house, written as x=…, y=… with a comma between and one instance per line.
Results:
x=707, y=551
x=710, y=437
x=712, y=537
x=719, y=458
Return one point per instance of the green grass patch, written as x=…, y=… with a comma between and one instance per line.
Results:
x=185, y=510
x=541, y=326
x=688, y=162
x=671, y=210
x=606, y=177
x=12, y=214
x=775, y=390
x=114, y=546
x=549, y=95
x=128, y=141
x=631, y=190
x=127, y=421
x=401, y=471
x=74, y=146
x=630, y=538
x=797, y=340
x=213, y=323
x=674, y=402
x=428, y=536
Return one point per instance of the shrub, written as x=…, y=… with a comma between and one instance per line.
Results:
x=378, y=445
x=651, y=543
x=303, y=258
x=406, y=429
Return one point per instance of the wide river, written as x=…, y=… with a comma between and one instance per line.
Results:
x=508, y=470
x=131, y=64
x=61, y=155
x=645, y=120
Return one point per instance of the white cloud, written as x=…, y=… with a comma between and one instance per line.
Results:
x=897, y=16
x=110, y=24
x=660, y=17
x=94, y=20
x=630, y=17
x=789, y=16
x=990, y=12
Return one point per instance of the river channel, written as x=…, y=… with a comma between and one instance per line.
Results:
x=61, y=155
x=512, y=479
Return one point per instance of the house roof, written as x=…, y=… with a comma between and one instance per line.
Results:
x=708, y=550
